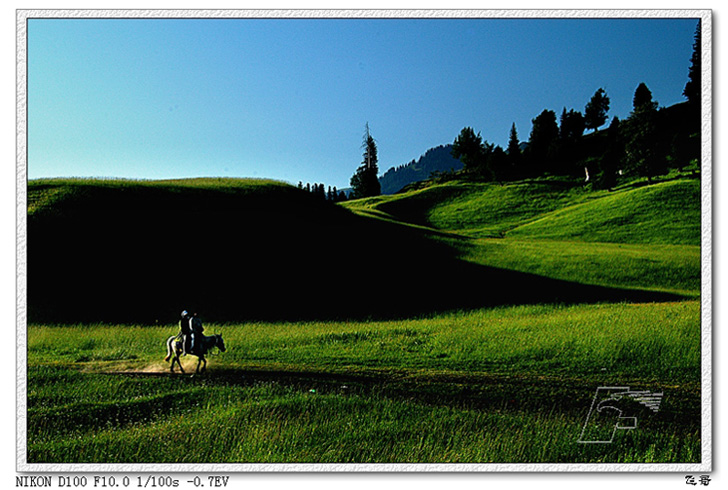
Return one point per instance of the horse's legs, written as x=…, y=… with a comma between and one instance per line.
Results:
x=179, y=363
x=170, y=349
x=203, y=361
x=175, y=358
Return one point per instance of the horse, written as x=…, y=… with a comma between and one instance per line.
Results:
x=203, y=344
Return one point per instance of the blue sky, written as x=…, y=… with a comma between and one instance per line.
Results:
x=288, y=98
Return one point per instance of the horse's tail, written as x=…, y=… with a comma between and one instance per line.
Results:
x=170, y=341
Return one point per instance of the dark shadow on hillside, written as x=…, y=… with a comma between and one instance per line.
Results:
x=141, y=255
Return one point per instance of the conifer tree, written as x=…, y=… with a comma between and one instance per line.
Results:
x=365, y=182
x=514, y=147
x=469, y=149
x=642, y=149
x=693, y=86
x=571, y=129
x=610, y=161
x=595, y=112
x=642, y=98
x=321, y=192
x=571, y=125
x=543, y=141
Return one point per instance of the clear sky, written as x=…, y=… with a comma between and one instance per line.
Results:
x=288, y=98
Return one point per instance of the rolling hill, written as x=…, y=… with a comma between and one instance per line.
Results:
x=639, y=236
x=667, y=212
x=236, y=249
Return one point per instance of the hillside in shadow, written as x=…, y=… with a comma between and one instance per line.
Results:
x=140, y=253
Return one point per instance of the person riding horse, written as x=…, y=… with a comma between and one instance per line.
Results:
x=197, y=329
x=185, y=332
x=177, y=345
x=190, y=326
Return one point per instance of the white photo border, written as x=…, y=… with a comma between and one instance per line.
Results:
x=705, y=16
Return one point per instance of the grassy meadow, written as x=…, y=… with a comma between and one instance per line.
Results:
x=473, y=381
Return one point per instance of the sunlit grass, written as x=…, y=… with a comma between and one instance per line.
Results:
x=665, y=213
x=662, y=213
x=642, y=341
x=674, y=268
x=503, y=385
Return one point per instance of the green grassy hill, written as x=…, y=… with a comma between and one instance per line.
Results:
x=665, y=213
x=481, y=209
x=237, y=249
x=638, y=236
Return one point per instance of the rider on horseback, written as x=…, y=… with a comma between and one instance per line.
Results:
x=185, y=332
x=196, y=327
x=202, y=343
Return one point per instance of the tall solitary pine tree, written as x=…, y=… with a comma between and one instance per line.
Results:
x=514, y=146
x=365, y=181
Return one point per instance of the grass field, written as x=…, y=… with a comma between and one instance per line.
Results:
x=503, y=385
x=511, y=383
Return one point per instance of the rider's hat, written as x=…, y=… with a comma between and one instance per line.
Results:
x=184, y=313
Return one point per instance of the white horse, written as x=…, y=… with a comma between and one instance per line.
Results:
x=203, y=344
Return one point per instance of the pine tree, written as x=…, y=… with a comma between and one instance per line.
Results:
x=642, y=148
x=365, y=182
x=606, y=175
x=693, y=86
x=572, y=125
x=513, y=156
x=543, y=141
x=469, y=149
x=571, y=129
x=514, y=147
x=642, y=98
x=499, y=164
x=595, y=112
x=693, y=90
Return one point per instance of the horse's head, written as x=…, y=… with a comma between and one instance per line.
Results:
x=219, y=343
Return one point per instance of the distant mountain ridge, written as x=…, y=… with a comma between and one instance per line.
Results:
x=438, y=159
